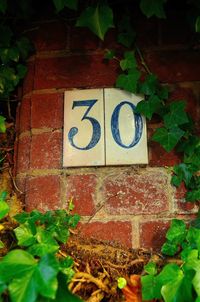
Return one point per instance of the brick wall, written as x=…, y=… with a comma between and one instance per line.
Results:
x=132, y=204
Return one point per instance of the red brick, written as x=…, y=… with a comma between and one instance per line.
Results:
x=23, y=154
x=137, y=194
x=21, y=185
x=43, y=193
x=25, y=114
x=83, y=39
x=182, y=205
x=147, y=32
x=47, y=110
x=28, y=82
x=82, y=189
x=152, y=234
x=112, y=231
x=46, y=150
x=160, y=157
x=176, y=31
x=49, y=36
x=75, y=71
x=110, y=41
x=191, y=101
x=174, y=66
x=17, y=119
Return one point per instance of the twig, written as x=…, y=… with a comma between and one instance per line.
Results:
x=14, y=183
x=143, y=60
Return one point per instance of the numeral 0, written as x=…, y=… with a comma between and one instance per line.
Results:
x=96, y=128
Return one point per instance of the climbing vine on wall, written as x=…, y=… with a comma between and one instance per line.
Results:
x=177, y=130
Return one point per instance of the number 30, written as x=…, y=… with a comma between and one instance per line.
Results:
x=96, y=128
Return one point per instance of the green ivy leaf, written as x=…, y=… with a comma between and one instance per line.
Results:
x=28, y=277
x=177, y=231
x=25, y=235
x=4, y=208
x=197, y=24
x=179, y=289
x=193, y=158
x=14, y=54
x=1, y=246
x=169, y=249
x=126, y=35
x=24, y=47
x=193, y=263
x=184, y=173
x=41, y=278
x=126, y=39
x=16, y=264
x=168, y=138
x=61, y=4
x=153, y=8
x=149, y=107
x=193, y=237
x=45, y=243
x=193, y=195
x=151, y=268
x=2, y=124
x=150, y=288
x=46, y=276
x=149, y=86
x=63, y=294
x=6, y=35
x=163, y=92
x=177, y=115
x=21, y=71
x=98, y=19
x=129, y=61
x=3, y=6
x=109, y=55
x=128, y=81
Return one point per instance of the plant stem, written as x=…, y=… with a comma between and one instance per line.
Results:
x=143, y=60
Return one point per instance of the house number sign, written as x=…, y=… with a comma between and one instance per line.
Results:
x=101, y=128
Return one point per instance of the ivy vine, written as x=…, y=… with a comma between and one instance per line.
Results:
x=178, y=128
x=39, y=233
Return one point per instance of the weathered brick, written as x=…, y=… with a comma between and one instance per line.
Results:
x=110, y=41
x=43, y=193
x=160, y=157
x=28, y=82
x=112, y=231
x=75, y=71
x=82, y=189
x=25, y=114
x=152, y=234
x=176, y=31
x=46, y=150
x=82, y=39
x=191, y=101
x=181, y=204
x=49, y=36
x=174, y=66
x=147, y=32
x=23, y=154
x=21, y=185
x=136, y=194
x=47, y=110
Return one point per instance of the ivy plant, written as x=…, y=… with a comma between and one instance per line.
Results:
x=32, y=270
x=176, y=282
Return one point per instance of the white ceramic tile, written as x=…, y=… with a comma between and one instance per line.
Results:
x=125, y=133
x=83, y=143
